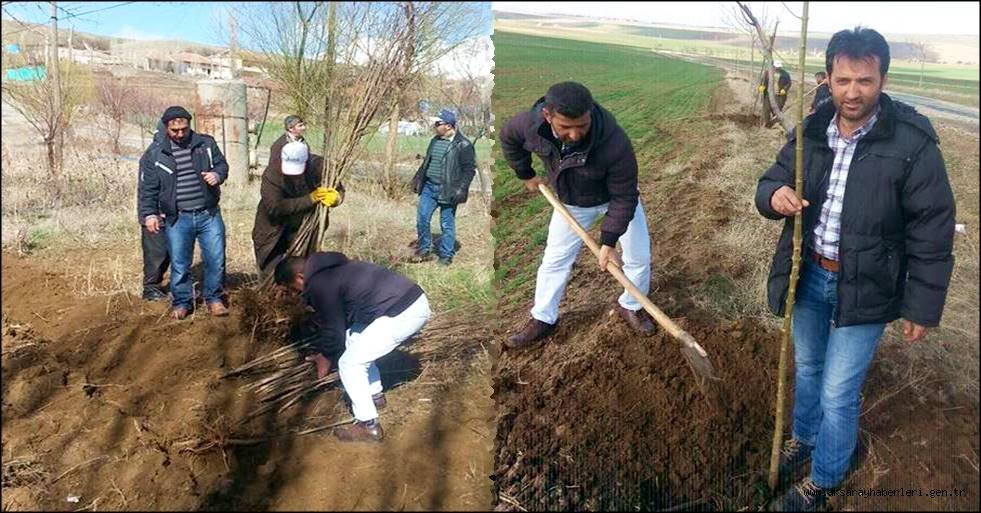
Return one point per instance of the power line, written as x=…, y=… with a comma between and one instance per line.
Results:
x=26, y=26
x=73, y=15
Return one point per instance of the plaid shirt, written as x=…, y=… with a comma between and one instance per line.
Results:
x=827, y=233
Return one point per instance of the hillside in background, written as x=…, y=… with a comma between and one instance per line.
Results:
x=951, y=49
x=31, y=35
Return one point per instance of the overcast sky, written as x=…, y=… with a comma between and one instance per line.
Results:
x=886, y=17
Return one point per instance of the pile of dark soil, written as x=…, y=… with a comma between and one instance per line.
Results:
x=618, y=423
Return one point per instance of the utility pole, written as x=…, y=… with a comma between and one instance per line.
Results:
x=71, y=47
x=56, y=87
x=233, y=30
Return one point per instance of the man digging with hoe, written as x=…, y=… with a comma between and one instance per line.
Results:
x=592, y=165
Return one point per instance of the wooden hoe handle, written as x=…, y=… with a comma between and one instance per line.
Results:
x=651, y=308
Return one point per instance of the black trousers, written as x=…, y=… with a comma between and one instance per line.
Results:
x=155, y=257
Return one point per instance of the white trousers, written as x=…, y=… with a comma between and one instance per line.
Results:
x=357, y=368
x=562, y=248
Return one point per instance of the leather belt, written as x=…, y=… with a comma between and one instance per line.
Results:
x=826, y=263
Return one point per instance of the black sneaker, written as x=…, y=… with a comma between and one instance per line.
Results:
x=803, y=496
x=153, y=293
x=794, y=457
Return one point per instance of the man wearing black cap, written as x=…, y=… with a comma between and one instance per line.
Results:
x=443, y=180
x=181, y=181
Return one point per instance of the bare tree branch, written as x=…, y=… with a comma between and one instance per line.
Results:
x=768, y=53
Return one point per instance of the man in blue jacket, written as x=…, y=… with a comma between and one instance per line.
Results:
x=181, y=181
x=364, y=311
x=878, y=225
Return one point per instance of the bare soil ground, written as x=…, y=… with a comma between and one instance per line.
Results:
x=598, y=418
x=107, y=400
x=108, y=404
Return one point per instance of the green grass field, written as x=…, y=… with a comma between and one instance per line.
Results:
x=951, y=82
x=645, y=92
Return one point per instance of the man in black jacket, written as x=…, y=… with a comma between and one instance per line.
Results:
x=878, y=225
x=181, y=181
x=363, y=311
x=822, y=94
x=442, y=180
x=592, y=166
x=783, y=89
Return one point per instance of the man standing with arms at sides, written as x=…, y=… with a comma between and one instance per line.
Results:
x=878, y=225
x=443, y=180
x=181, y=187
x=592, y=166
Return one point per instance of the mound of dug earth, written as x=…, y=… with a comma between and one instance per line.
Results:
x=108, y=404
x=616, y=421
x=102, y=395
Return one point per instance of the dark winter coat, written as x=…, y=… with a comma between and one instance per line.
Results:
x=284, y=201
x=459, y=168
x=897, y=219
x=822, y=95
x=158, y=137
x=350, y=294
x=603, y=169
x=783, y=81
x=158, y=175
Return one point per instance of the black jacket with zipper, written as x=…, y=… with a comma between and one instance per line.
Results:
x=897, y=218
x=158, y=175
x=349, y=294
x=459, y=168
x=602, y=169
x=158, y=138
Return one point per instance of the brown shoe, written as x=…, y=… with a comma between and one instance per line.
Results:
x=379, y=400
x=533, y=331
x=217, y=309
x=180, y=313
x=640, y=321
x=359, y=431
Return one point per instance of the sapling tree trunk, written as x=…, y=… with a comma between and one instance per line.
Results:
x=795, y=267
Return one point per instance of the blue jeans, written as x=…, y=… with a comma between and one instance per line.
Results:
x=428, y=201
x=831, y=363
x=209, y=230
